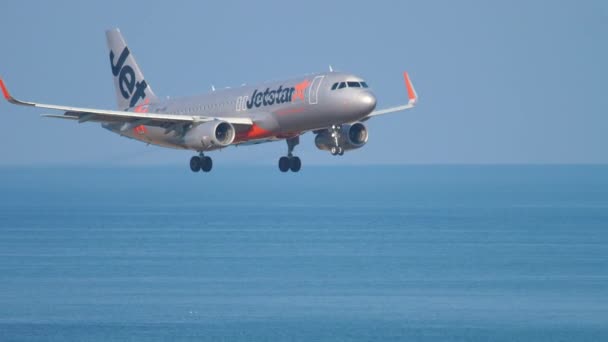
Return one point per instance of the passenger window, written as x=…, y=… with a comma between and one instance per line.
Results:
x=364, y=85
x=334, y=86
x=354, y=85
x=342, y=85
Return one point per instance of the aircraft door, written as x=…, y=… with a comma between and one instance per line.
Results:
x=313, y=91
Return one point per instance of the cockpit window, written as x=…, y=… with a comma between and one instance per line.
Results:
x=349, y=84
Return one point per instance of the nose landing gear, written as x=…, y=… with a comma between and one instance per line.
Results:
x=336, y=150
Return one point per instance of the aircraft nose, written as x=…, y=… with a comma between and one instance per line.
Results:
x=367, y=102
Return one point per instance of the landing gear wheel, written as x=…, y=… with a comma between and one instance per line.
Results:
x=284, y=164
x=334, y=151
x=206, y=164
x=295, y=164
x=195, y=164
x=340, y=151
x=290, y=162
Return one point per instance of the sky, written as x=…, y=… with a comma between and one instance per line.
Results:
x=498, y=81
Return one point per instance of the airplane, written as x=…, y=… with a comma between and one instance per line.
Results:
x=332, y=105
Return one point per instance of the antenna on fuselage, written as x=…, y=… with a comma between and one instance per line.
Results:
x=331, y=69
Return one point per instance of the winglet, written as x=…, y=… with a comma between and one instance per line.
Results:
x=411, y=92
x=10, y=98
x=5, y=92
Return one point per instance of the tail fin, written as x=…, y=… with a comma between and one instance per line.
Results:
x=131, y=88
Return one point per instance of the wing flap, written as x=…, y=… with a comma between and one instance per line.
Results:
x=65, y=117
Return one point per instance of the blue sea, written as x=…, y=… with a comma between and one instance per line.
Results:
x=333, y=253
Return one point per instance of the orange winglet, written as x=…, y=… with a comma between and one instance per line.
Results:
x=4, y=90
x=411, y=93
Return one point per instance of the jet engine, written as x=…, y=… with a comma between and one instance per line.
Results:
x=210, y=135
x=351, y=137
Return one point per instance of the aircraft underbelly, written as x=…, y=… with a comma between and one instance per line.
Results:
x=313, y=119
x=149, y=135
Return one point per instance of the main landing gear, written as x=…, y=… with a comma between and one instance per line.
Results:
x=201, y=163
x=290, y=162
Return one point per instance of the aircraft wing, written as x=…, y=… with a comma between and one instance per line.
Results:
x=411, y=94
x=102, y=115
